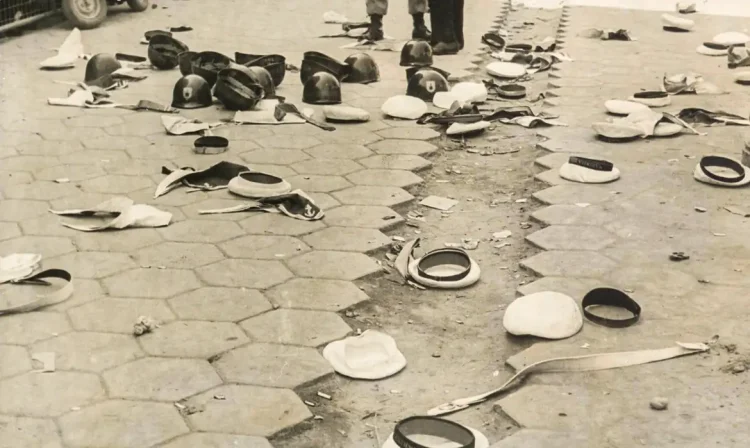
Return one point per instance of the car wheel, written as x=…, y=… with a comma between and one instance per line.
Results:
x=85, y=14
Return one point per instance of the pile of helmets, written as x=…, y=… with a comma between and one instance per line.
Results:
x=164, y=51
x=322, y=75
x=99, y=70
x=424, y=81
x=275, y=64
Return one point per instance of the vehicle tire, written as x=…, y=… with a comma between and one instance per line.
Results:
x=85, y=14
x=138, y=5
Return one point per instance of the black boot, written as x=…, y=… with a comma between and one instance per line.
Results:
x=458, y=19
x=375, y=31
x=420, y=32
x=444, y=30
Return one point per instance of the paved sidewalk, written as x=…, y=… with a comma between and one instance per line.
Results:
x=624, y=238
x=246, y=300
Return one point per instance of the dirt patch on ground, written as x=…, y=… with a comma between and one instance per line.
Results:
x=453, y=340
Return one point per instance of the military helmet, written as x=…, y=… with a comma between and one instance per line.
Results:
x=191, y=92
x=163, y=51
x=322, y=88
x=426, y=83
x=208, y=64
x=237, y=89
x=362, y=69
x=100, y=65
x=416, y=53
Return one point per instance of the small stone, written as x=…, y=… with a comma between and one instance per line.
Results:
x=436, y=355
x=701, y=209
x=739, y=368
x=310, y=403
x=659, y=404
x=324, y=395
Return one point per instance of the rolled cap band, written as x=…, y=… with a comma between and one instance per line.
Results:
x=438, y=257
x=593, y=164
x=610, y=297
x=433, y=426
x=723, y=162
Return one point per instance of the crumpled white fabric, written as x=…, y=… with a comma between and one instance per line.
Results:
x=181, y=125
x=68, y=53
x=82, y=98
x=264, y=114
x=334, y=17
x=17, y=266
x=124, y=213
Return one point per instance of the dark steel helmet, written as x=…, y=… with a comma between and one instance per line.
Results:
x=100, y=65
x=322, y=88
x=426, y=83
x=185, y=61
x=416, y=53
x=163, y=51
x=362, y=69
x=237, y=89
x=274, y=63
x=313, y=62
x=411, y=71
x=191, y=92
x=208, y=64
x=263, y=78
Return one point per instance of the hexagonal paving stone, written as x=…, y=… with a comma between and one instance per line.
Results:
x=347, y=239
x=350, y=135
x=220, y=304
x=542, y=438
x=116, y=184
x=87, y=121
x=24, y=432
x=297, y=327
x=85, y=292
x=49, y=394
x=93, y=264
x=412, y=147
x=122, y=142
x=339, y=151
x=574, y=287
x=409, y=133
x=161, y=379
x=8, y=178
x=178, y=255
x=257, y=274
x=90, y=351
x=201, y=231
x=151, y=283
x=569, y=263
x=75, y=173
x=29, y=163
x=249, y=410
x=315, y=183
x=331, y=167
x=47, y=246
x=117, y=315
x=573, y=194
x=264, y=247
x=571, y=238
x=390, y=178
x=22, y=329
x=15, y=360
x=94, y=157
x=216, y=440
x=133, y=239
x=274, y=156
x=317, y=294
x=396, y=162
x=368, y=216
x=566, y=214
x=193, y=339
x=111, y=424
x=334, y=265
x=288, y=141
x=39, y=191
x=654, y=279
x=9, y=230
x=278, y=224
x=273, y=365
x=17, y=210
x=373, y=195
x=49, y=148
x=561, y=408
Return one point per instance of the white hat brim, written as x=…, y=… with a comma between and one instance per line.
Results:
x=471, y=278
x=480, y=440
x=336, y=354
x=700, y=176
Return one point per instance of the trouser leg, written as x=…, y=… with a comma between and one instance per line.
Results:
x=458, y=18
x=377, y=7
x=417, y=6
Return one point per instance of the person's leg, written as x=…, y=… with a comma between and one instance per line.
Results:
x=376, y=9
x=417, y=9
x=443, y=27
x=458, y=18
